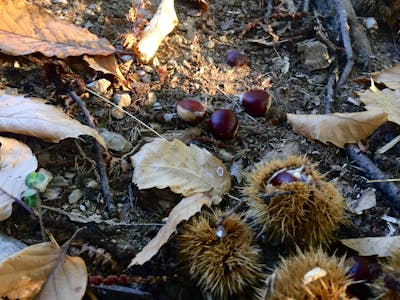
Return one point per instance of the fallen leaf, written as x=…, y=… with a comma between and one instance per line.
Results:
x=31, y=116
x=368, y=246
x=23, y=274
x=27, y=28
x=162, y=23
x=186, y=170
x=386, y=100
x=389, y=77
x=338, y=128
x=16, y=162
x=108, y=65
x=366, y=201
x=186, y=208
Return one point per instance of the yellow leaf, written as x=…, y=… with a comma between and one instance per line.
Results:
x=185, y=170
x=16, y=162
x=186, y=208
x=385, y=100
x=27, y=28
x=23, y=274
x=339, y=128
x=31, y=116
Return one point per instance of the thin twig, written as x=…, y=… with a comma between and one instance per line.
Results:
x=20, y=202
x=372, y=171
x=127, y=113
x=101, y=168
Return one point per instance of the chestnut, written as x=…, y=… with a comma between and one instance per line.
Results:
x=235, y=58
x=256, y=102
x=223, y=124
x=191, y=110
x=283, y=177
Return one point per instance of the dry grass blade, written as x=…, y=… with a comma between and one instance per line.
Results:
x=27, y=28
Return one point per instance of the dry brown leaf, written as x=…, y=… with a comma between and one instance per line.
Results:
x=16, y=162
x=186, y=208
x=390, y=77
x=106, y=64
x=367, y=246
x=339, y=128
x=185, y=170
x=385, y=100
x=27, y=28
x=23, y=274
x=31, y=116
x=162, y=23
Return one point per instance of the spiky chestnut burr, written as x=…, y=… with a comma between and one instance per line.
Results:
x=309, y=275
x=292, y=202
x=391, y=278
x=220, y=255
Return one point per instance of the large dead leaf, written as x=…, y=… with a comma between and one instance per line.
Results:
x=385, y=100
x=182, y=211
x=185, y=170
x=31, y=116
x=27, y=28
x=23, y=274
x=16, y=162
x=390, y=77
x=339, y=128
x=162, y=23
x=381, y=246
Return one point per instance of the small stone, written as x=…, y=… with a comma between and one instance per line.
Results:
x=151, y=99
x=52, y=193
x=59, y=181
x=99, y=86
x=75, y=196
x=315, y=55
x=115, y=141
x=116, y=113
x=122, y=100
x=82, y=207
x=92, y=184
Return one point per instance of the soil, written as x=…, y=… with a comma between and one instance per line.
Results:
x=191, y=63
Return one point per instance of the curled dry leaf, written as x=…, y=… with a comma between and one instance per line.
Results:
x=31, y=116
x=186, y=208
x=368, y=246
x=385, y=100
x=16, y=162
x=339, y=128
x=184, y=169
x=162, y=23
x=23, y=274
x=27, y=28
x=389, y=77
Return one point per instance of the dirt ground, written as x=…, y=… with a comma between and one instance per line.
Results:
x=191, y=63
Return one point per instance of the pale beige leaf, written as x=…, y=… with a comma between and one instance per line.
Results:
x=185, y=170
x=23, y=274
x=339, y=128
x=162, y=23
x=367, y=246
x=385, y=100
x=16, y=162
x=106, y=64
x=186, y=208
x=27, y=28
x=31, y=116
x=389, y=77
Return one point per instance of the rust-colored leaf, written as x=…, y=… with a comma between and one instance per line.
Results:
x=339, y=128
x=27, y=28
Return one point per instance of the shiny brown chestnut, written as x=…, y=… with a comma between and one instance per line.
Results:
x=235, y=58
x=223, y=124
x=191, y=110
x=256, y=102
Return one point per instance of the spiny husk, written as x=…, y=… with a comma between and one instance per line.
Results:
x=223, y=266
x=392, y=269
x=308, y=216
x=288, y=282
